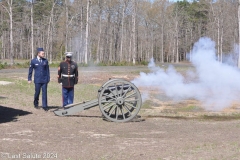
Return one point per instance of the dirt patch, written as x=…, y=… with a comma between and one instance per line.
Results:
x=171, y=130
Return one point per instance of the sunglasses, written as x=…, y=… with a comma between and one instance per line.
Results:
x=68, y=57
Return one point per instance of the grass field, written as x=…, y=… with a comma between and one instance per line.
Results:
x=169, y=131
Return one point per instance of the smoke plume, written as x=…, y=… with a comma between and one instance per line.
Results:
x=216, y=85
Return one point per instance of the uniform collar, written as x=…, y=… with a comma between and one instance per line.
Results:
x=39, y=58
x=68, y=61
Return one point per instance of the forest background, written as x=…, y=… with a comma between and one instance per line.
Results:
x=117, y=32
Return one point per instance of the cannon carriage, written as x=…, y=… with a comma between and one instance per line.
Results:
x=119, y=101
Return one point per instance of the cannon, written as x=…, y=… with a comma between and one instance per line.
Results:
x=119, y=101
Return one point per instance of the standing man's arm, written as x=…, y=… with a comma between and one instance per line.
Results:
x=48, y=72
x=30, y=72
x=59, y=74
x=76, y=74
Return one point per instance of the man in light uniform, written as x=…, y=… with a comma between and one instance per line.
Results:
x=68, y=77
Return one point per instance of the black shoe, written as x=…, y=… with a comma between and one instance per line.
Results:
x=36, y=107
x=45, y=108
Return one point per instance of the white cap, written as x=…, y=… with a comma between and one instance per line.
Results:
x=68, y=54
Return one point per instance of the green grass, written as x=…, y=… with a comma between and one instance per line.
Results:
x=3, y=65
x=147, y=104
x=7, y=79
x=24, y=63
x=21, y=93
x=84, y=92
x=221, y=117
x=190, y=108
x=124, y=63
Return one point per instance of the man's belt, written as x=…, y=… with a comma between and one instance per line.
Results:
x=66, y=75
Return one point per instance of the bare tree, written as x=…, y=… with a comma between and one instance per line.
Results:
x=100, y=30
x=134, y=31
x=124, y=3
x=113, y=31
x=238, y=34
x=49, y=53
x=66, y=24
x=8, y=8
x=32, y=40
x=87, y=28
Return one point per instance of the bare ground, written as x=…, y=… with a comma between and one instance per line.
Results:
x=167, y=130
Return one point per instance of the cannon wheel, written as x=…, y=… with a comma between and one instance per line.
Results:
x=121, y=104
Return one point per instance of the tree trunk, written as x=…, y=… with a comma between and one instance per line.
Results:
x=11, y=32
x=122, y=35
x=100, y=32
x=177, y=41
x=21, y=44
x=134, y=31
x=221, y=42
x=129, y=55
x=32, y=48
x=173, y=51
x=48, y=54
x=87, y=28
x=10, y=13
x=238, y=33
x=191, y=41
x=176, y=36
x=81, y=38
x=152, y=43
x=218, y=39
x=162, y=40
x=66, y=23
x=2, y=38
x=3, y=48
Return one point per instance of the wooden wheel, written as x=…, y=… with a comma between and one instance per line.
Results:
x=119, y=100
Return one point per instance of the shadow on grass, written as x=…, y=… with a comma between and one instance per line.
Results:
x=202, y=117
x=2, y=97
x=10, y=114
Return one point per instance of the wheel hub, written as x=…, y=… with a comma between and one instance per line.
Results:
x=120, y=101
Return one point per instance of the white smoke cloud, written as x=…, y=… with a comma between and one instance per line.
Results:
x=215, y=84
x=232, y=57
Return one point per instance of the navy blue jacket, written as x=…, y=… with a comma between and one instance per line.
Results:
x=41, y=71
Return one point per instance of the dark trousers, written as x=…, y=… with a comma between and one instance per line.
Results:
x=67, y=96
x=38, y=87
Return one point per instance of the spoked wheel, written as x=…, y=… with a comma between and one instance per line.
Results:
x=119, y=100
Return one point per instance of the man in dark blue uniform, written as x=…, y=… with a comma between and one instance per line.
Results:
x=68, y=77
x=41, y=77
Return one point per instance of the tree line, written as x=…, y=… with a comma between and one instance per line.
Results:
x=115, y=31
